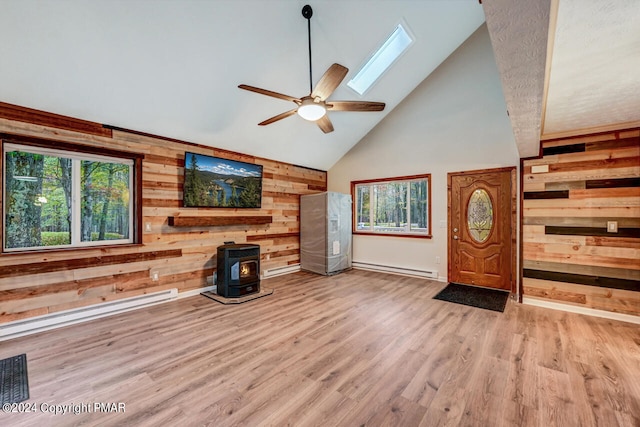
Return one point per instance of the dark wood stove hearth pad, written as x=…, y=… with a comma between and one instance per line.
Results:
x=239, y=300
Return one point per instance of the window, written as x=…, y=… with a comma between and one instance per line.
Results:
x=381, y=60
x=54, y=198
x=393, y=206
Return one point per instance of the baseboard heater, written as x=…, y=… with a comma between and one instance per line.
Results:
x=46, y=322
x=429, y=274
x=279, y=271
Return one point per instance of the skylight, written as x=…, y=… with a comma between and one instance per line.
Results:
x=381, y=60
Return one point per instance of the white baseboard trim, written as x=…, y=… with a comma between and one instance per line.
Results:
x=427, y=274
x=47, y=322
x=279, y=271
x=581, y=310
x=194, y=292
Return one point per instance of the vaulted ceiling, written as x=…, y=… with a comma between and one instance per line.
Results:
x=172, y=67
x=568, y=67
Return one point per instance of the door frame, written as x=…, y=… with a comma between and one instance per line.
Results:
x=513, y=222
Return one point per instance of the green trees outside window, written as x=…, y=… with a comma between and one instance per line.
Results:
x=55, y=198
x=396, y=206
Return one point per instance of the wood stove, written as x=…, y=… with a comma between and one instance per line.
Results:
x=238, y=269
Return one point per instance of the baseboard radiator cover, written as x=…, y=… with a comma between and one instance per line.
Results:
x=195, y=292
x=428, y=274
x=47, y=322
x=279, y=271
x=581, y=310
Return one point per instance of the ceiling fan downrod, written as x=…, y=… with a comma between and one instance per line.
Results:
x=313, y=107
x=307, y=12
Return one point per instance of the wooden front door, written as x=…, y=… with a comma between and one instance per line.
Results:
x=482, y=228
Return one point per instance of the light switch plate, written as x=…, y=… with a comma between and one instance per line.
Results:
x=540, y=169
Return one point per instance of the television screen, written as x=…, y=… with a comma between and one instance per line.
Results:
x=213, y=182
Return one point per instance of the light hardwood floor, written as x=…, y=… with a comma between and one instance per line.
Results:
x=358, y=348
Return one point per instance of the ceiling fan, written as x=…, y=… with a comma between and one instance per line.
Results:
x=314, y=106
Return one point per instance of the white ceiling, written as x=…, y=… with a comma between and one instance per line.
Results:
x=594, y=78
x=568, y=67
x=172, y=67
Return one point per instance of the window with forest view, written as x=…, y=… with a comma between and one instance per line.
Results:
x=58, y=199
x=393, y=206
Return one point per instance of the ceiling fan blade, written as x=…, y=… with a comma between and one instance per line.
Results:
x=329, y=81
x=278, y=117
x=270, y=93
x=325, y=124
x=355, y=106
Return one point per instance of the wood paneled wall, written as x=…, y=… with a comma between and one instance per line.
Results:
x=568, y=254
x=33, y=284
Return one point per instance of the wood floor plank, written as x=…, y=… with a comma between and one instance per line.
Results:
x=358, y=348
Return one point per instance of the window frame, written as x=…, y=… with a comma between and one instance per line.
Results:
x=88, y=153
x=407, y=179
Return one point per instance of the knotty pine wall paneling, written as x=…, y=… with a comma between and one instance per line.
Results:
x=570, y=194
x=43, y=282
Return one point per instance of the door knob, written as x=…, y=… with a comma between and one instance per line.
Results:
x=455, y=237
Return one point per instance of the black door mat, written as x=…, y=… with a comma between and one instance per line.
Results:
x=238, y=300
x=14, y=384
x=474, y=296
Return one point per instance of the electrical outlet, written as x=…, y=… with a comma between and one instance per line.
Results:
x=154, y=277
x=612, y=226
x=437, y=260
x=147, y=226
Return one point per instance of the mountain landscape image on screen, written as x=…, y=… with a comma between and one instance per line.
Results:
x=221, y=183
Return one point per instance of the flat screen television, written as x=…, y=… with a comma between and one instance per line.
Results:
x=214, y=182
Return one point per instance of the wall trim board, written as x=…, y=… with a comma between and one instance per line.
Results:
x=591, y=231
x=591, y=184
x=592, y=221
x=60, y=144
x=583, y=279
x=581, y=310
x=564, y=149
x=86, y=262
x=599, y=130
x=43, y=118
x=556, y=194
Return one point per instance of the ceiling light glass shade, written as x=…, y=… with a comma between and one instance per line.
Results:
x=310, y=110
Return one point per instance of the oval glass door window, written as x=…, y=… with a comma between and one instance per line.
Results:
x=480, y=215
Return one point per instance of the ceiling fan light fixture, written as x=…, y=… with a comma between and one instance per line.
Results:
x=310, y=110
x=314, y=107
